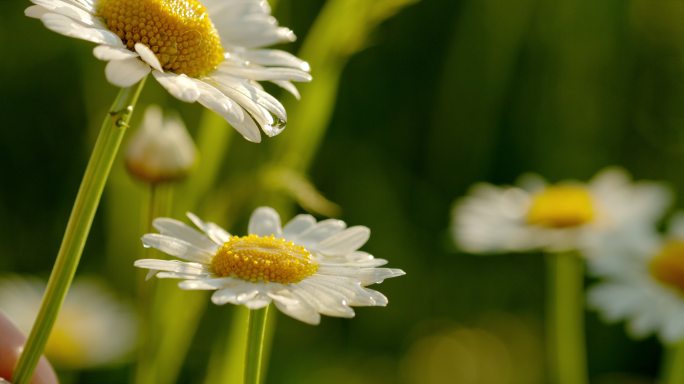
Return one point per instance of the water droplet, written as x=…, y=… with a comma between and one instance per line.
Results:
x=275, y=128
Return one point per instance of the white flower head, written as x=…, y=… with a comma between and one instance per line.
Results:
x=306, y=268
x=210, y=52
x=93, y=328
x=566, y=216
x=161, y=149
x=643, y=284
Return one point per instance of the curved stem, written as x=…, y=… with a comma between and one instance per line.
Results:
x=565, y=319
x=255, y=345
x=674, y=365
x=78, y=227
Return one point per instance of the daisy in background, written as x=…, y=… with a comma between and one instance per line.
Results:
x=643, y=284
x=93, y=328
x=210, y=52
x=305, y=268
x=569, y=215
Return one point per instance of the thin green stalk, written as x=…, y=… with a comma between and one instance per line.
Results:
x=82, y=214
x=148, y=370
x=255, y=345
x=565, y=318
x=673, y=370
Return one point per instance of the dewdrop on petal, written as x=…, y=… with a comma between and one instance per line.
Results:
x=161, y=150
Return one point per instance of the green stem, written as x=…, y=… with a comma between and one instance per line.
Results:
x=565, y=319
x=674, y=365
x=148, y=370
x=78, y=227
x=255, y=345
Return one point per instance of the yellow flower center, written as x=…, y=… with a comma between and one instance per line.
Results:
x=63, y=347
x=668, y=265
x=264, y=258
x=179, y=32
x=561, y=206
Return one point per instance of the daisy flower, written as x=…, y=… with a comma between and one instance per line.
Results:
x=210, y=52
x=305, y=268
x=82, y=336
x=569, y=215
x=162, y=149
x=643, y=284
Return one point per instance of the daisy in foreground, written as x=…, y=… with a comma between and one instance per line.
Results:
x=556, y=217
x=643, y=284
x=208, y=52
x=305, y=268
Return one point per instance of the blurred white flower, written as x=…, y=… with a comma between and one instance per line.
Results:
x=556, y=217
x=305, y=268
x=161, y=149
x=208, y=52
x=93, y=328
x=643, y=284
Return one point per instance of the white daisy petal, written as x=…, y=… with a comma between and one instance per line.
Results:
x=180, y=230
x=265, y=221
x=107, y=53
x=180, y=86
x=327, y=301
x=125, y=73
x=288, y=86
x=176, y=247
x=213, y=99
x=266, y=74
x=248, y=128
x=208, y=284
x=148, y=56
x=365, y=276
x=236, y=116
x=321, y=231
x=71, y=11
x=345, y=242
x=258, y=302
x=35, y=11
x=68, y=27
x=238, y=294
x=246, y=96
x=195, y=269
x=299, y=224
x=276, y=58
x=215, y=233
x=299, y=309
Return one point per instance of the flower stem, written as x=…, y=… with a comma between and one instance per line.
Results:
x=78, y=227
x=255, y=345
x=565, y=319
x=674, y=365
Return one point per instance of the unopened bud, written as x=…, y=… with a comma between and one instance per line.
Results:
x=161, y=150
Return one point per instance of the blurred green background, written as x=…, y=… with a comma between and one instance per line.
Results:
x=440, y=95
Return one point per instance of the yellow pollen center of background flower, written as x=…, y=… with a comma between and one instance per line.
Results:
x=264, y=258
x=561, y=206
x=179, y=32
x=668, y=265
x=63, y=346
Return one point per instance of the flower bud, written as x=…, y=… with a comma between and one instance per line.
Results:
x=161, y=150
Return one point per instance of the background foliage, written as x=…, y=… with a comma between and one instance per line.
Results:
x=443, y=94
